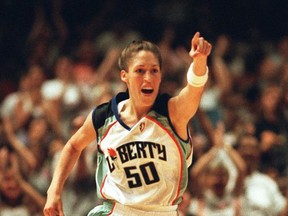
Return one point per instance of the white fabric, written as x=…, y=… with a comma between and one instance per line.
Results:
x=165, y=181
x=213, y=206
x=16, y=211
x=120, y=210
x=262, y=196
x=232, y=169
x=209, y=100
x=54, y=89
x=194, y=80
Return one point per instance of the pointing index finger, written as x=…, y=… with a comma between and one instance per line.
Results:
x=194, y=41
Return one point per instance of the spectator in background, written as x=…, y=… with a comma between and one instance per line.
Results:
x=78, y=195
x=271, y=131
x=96, y=79
x=47, y=36
x=185, y=203
x=118, y=36
x=216, y=190
x=262, y=194
x=85, y=61
x=174, y=61
x=63, y=95
x=284, y=105
x=218, y=87
x=283, y=102
x=28, y=101
x=17, y=195
x=9, y=103
x=33, y=152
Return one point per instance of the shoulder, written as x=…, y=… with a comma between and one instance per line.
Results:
x=100, y=113
x=161, y=104
x=106, y=110
x=261, y=179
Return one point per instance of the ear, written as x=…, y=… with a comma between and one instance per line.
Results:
x=123, y=75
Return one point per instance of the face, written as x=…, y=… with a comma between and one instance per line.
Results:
x=249, y=150
x=270, y=98
x=143, y=78
x=217, y=180
x=9, y=186
x=38, y=129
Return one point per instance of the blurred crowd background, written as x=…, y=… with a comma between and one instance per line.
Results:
x=59, y=60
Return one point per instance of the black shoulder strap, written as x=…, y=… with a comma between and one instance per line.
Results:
x=99, y=115
x=103, y=111
x=160, y=105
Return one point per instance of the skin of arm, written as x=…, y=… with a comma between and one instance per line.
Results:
x=18, y=146
x=197, y=171
x=27, y=188
x=185, y=105
x=216, y=136
x=203, y=162
x=69, y=156
x=220, y=68
x=20, y=115
x=241, y=166
x=32, y=193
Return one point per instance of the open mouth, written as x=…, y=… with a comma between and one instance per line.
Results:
x=147, y=91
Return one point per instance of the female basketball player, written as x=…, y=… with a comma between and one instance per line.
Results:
x=142, y=138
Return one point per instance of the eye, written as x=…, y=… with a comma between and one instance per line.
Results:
x=155, y=70
x=140, y=70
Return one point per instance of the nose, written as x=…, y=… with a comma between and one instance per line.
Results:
x=148, y=76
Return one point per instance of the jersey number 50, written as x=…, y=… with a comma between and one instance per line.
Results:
x=147, y=171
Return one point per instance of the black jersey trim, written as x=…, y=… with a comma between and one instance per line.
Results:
x=103, y=111
x=120, y=97
x=99, y=115
x=161, y=107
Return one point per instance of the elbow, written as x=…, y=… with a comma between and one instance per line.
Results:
x=72, y=148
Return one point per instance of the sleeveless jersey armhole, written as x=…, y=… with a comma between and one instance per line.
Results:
x=163, y=110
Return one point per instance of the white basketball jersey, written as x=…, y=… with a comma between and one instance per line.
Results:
x=141, y=165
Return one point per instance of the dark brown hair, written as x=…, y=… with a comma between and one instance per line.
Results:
x=135, y=47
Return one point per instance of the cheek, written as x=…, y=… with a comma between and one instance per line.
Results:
x=157, y=80
x=133, y=82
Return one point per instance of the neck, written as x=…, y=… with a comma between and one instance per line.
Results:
x=131, y=113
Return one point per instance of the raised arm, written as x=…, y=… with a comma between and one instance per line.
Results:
x=69, y=156
x=183, y=106
x=35, y=197
x=216, y=137
x=20, y=148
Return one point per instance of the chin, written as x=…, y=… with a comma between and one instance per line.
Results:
x=148, y=101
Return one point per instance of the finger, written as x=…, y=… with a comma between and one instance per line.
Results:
x=208, y=49
x=205, y=47
x=194, y=41
x=200, y=45
x=60, y=210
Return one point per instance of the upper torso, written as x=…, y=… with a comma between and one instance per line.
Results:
x=142, y=164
